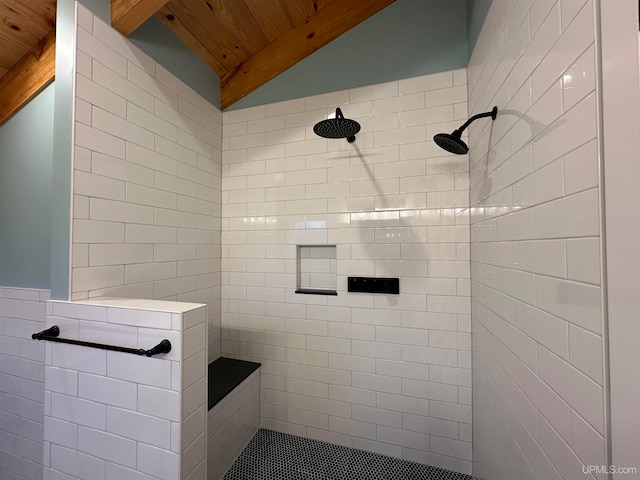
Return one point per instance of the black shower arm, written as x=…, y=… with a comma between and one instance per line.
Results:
x=491, y=114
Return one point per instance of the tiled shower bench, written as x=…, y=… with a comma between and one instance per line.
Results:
x=234, y=411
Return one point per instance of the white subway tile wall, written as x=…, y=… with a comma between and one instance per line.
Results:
x=22, y=383
x=147, y=179
x=538, y=396
x=385, y=373
x=116, y=415
x=231, y=423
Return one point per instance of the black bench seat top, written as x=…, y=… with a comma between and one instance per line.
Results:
x=225, y=374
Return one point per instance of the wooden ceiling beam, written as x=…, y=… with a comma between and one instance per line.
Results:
x=329, y=23
x=210, y=31
x=235, y=19
x=270, y=16
x=28, y=77
x=298, y=11
x=322, y=3
x=189, y=39
x=127, y=15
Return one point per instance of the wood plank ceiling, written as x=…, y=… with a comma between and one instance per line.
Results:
x=249, y=42
x=27, y=51
x=246, y=42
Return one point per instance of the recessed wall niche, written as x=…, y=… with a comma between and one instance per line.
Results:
x=316, y=273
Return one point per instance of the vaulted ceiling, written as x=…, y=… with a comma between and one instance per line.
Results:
x=249, y=42
x=23, y=24
x=246, y=42
x=27, y=51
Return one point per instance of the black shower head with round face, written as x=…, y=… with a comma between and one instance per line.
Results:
x=452, y=142
x=338, y=127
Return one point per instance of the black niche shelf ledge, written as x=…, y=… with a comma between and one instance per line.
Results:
x=315, y=291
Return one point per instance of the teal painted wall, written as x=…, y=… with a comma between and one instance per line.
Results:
x=406, y=39
x=25, y=194
x=157, y=41
x=476, y=13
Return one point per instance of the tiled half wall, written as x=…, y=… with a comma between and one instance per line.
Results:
x=113, y=415
x=22, y=312
x=385, y=373
x=146, y=186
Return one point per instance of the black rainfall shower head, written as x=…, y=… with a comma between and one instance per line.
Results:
x=452, y=142
x=338, y=127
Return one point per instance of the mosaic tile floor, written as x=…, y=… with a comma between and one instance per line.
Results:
x=273, y=455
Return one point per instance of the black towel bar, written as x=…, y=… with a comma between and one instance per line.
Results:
x=51, y=334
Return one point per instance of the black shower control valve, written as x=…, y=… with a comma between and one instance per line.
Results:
x=374, y=285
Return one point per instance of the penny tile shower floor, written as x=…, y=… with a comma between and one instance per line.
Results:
x=278, y=456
